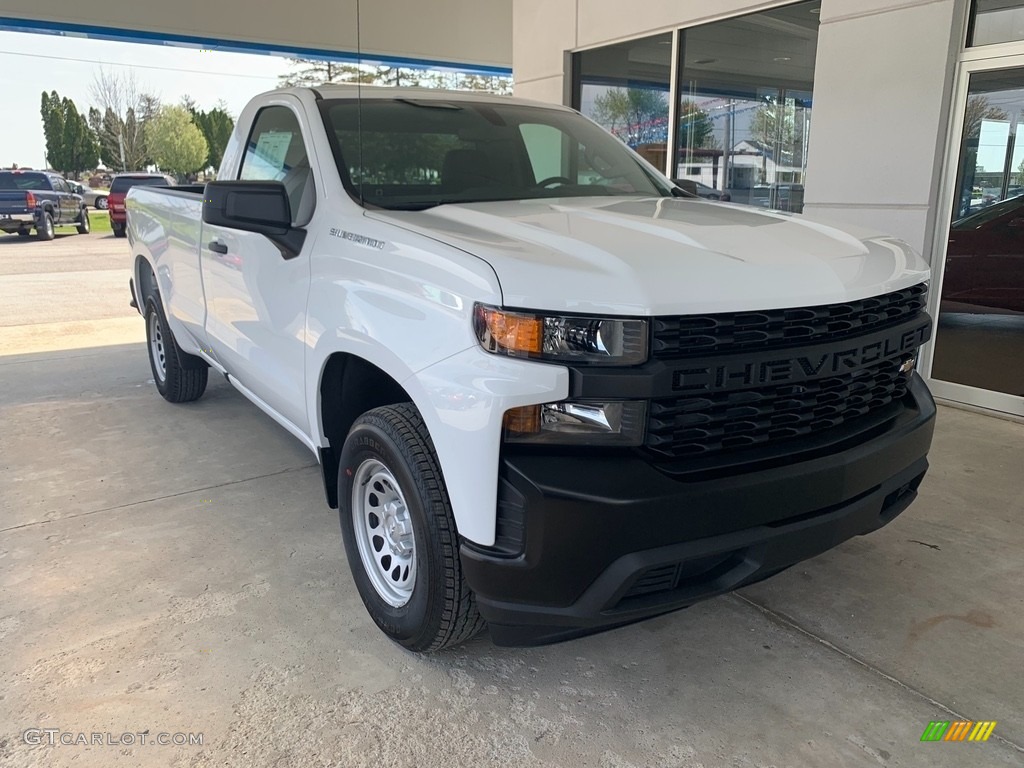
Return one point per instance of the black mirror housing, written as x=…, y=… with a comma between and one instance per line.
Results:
x=254, y=206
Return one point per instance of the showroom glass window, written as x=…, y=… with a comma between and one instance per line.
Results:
x=996, y=21
x=625, y=88
x=744, y=109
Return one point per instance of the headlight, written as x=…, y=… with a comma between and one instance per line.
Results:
x=594, y=340
x=578, y=423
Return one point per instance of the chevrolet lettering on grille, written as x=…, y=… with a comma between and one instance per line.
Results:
x=746, y=371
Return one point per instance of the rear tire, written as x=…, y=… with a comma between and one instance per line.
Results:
x=118, y=230
x=179, y=376
x=24, y=232
x=44, y=229
x=399, y=532
x=101, y=203
x=84, y=225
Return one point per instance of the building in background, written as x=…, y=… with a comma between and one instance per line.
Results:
x=898, y=116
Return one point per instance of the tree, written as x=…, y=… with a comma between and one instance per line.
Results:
x=636, y=115
x=978, y=111
x=313, y=72
x=177, y=144
x=81, y=152
x=773, y=126
x=696, y=131
x=216, y=125
x=53, y=129
x=70, y=145
x=127, y=111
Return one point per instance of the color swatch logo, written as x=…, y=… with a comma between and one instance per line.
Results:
x=959, y=730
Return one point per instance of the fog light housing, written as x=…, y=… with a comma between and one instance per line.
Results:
x=619, y=423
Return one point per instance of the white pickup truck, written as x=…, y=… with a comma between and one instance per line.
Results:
x=549, y=391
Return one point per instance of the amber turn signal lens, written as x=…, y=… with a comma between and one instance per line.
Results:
x=520, y=333
x=523, y=421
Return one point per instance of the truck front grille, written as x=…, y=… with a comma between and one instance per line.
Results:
x=690, y=335
x=731, y=420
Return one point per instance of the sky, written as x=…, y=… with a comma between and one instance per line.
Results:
x=67, y=64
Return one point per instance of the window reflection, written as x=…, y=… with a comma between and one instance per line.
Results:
x=743, y=110
x=745, y=106
x=980, y=335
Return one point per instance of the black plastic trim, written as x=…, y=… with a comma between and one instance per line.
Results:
x=594, y=525
x=675, y=378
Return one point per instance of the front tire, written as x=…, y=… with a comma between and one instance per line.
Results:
x=179, y=376
x=84, y=225
x=44, y=229
x=399, y=532
x=101, y=203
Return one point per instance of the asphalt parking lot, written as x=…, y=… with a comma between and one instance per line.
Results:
x=174, y=570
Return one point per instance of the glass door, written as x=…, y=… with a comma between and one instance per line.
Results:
x=979, y=338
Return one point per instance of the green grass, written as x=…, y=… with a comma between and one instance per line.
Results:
x=100, y=221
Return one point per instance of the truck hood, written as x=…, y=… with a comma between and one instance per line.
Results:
x=663, y=256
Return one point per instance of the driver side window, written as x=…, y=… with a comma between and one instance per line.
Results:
x=276, y=152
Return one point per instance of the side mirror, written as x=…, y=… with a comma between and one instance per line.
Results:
x=254, y=206
x=688, y=186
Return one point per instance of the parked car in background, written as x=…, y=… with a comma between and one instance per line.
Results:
x=779, y=197
x=985, y=260
x=119, y=187
x=702, y=190
x=39, y=200
x=95, y=198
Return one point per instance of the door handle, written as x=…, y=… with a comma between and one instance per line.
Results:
x=217, y=247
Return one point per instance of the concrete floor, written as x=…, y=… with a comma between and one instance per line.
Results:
x=174, y=569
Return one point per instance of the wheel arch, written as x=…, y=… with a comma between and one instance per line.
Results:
x=349, y=385
x=145, y=280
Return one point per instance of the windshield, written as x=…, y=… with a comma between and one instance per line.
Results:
x=124, y=183
x=418, y=153
x=989, y=213
x=37, y=181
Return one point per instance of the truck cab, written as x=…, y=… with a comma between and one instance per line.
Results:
x=550, y=392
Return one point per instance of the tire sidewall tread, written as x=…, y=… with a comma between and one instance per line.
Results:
x=182, y=383
x=442, y=610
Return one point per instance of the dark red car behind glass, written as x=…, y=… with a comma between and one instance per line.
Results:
x=119, y=188
x=985, y=260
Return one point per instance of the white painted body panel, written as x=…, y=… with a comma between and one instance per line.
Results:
x=665, y=256
x=406, y=306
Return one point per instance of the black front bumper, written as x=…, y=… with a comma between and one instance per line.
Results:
x=606, y=540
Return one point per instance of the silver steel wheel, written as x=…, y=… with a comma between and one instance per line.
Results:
x=383, y=531
x=157, y=350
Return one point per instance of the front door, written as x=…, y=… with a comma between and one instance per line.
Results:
x=979, y=339
x=256, y=298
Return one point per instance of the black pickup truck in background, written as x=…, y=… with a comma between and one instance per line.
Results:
x=41, y=201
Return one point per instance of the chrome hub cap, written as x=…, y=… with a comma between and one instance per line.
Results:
x=156, y=347
x=383, y=531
